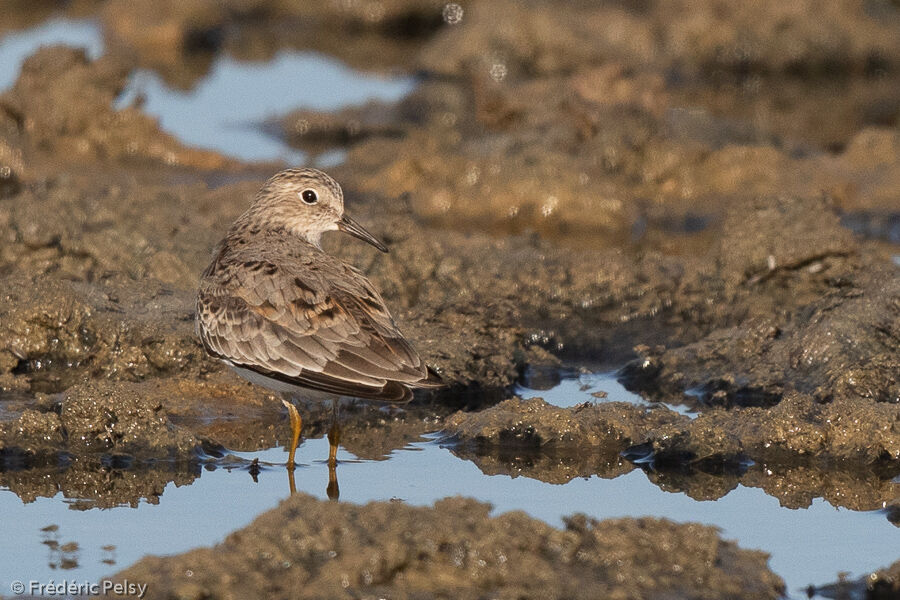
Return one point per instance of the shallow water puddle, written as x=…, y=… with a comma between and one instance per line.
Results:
x=226, y=109
x=595, y=387
x=807, y=546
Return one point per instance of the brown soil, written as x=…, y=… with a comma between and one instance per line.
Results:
x=307, y=548
x=703, y=194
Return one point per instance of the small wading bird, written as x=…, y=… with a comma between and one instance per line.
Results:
x=288, y=316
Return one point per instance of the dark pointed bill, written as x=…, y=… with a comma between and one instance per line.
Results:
x=348, y=225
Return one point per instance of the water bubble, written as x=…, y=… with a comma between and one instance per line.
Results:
x=549, y=206
x=498, y=71
x=452, y=13
x=472, y=175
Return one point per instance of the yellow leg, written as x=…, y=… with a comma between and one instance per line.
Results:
x=296, y=426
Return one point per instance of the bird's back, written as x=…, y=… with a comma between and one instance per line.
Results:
x=277, y=305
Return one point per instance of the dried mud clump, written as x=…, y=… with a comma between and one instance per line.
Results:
x=845, y=451
x=311, y=549
x=803, y=302
x=55, y=333
x=535, y=424
x=120, y=418
x=63, y=103
x=97, y=418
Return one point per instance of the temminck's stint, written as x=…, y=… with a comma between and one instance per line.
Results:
x=285, y=314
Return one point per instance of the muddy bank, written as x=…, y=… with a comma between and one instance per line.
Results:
x=764, y=64
x=181, y=40
x=566, y=157
x=100, y=264
x=40, y=108
x=107, y=443
x=760, y=63
x=844, y=451
x=22, y=14
x=311, y=549
x=175, y=418
x=574, y=168
x=807, y=76
x=659, y=187
x=95, y=418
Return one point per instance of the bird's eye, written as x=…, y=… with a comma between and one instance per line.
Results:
x=309, y=196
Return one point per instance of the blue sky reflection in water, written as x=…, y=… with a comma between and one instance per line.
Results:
x=576, y=389
x=225, y=110
x=802, y=542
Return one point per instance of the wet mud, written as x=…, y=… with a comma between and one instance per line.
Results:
x=705, y=457
x=660, y=189
x=310, y=549
x=882, y=584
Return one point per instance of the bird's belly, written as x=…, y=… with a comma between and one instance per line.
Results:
x=276, y=385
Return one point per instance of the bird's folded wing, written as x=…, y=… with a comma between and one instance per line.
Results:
x=341, y=341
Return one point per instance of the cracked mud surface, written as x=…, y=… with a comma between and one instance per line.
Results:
x=667, y=196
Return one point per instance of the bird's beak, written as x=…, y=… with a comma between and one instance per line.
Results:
x=348, y=225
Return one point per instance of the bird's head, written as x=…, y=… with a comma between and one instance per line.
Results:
x=308, y=202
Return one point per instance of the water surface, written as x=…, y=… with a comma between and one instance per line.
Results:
x=226, y=110
x=807, y=546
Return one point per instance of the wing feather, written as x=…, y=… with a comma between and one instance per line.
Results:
x=324, y=328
